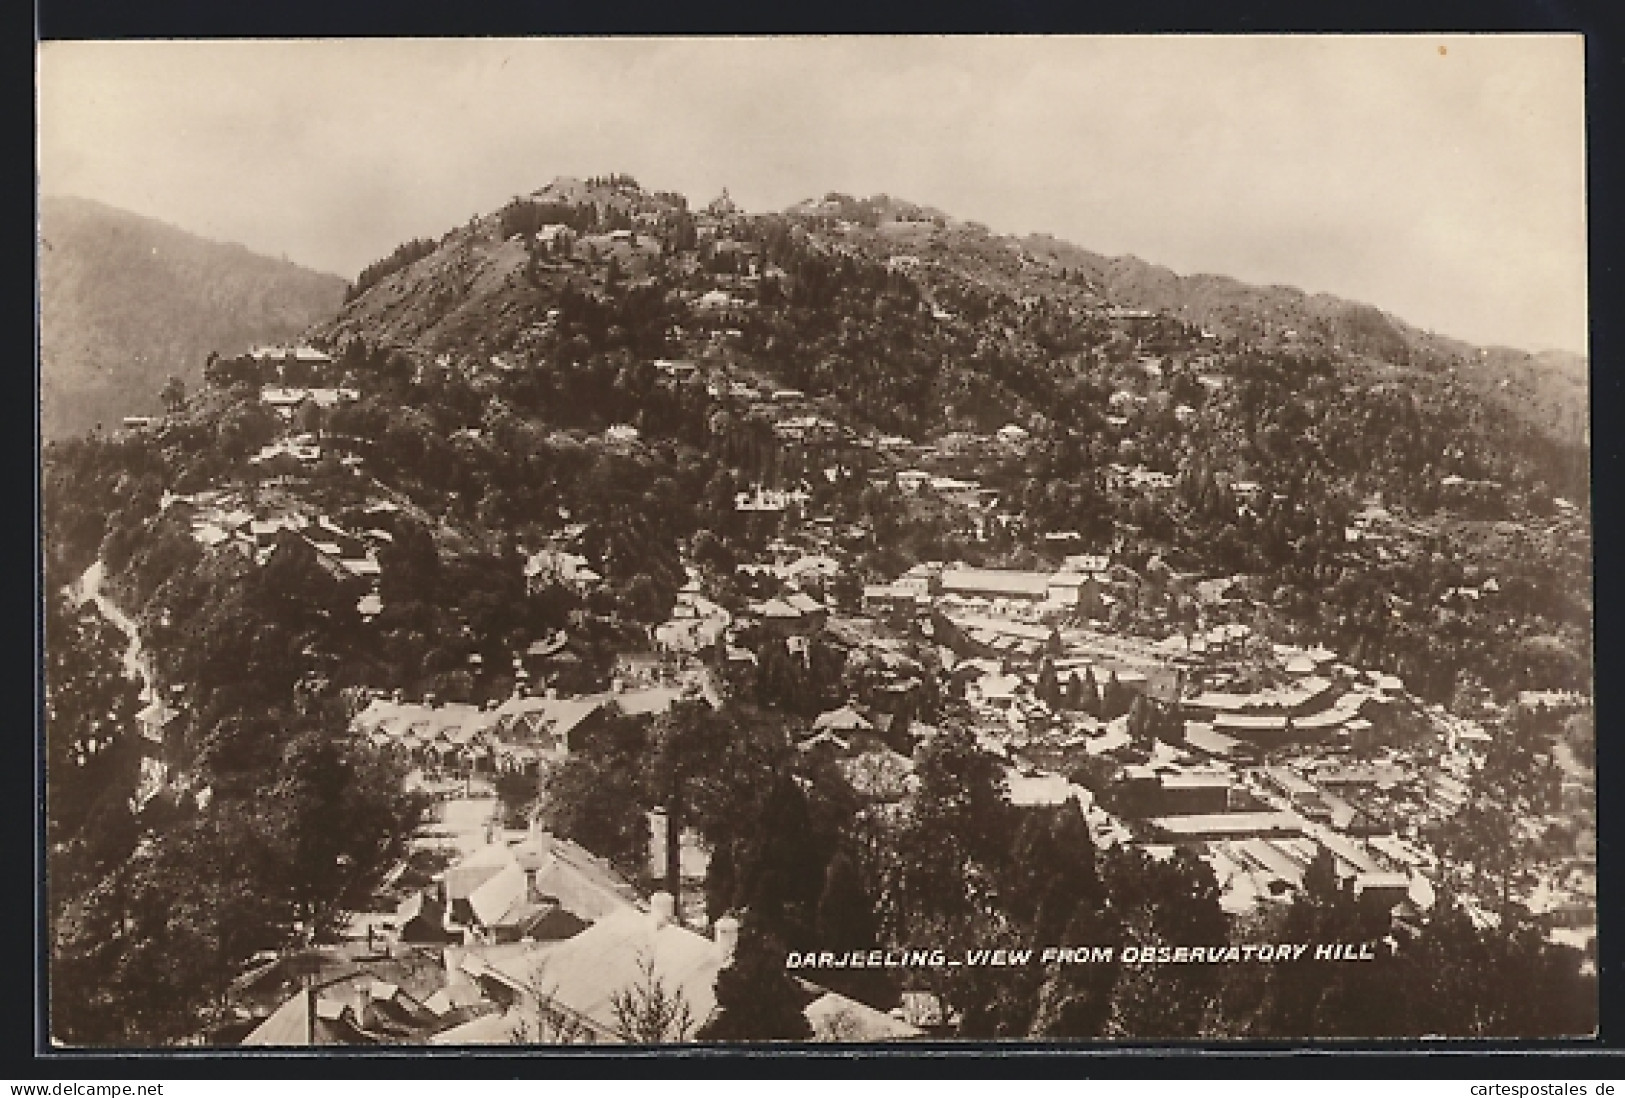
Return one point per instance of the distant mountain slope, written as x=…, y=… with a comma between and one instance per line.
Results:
x=1548, y=390
x=126, y=301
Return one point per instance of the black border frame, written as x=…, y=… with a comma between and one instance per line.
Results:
x=1579, y=1060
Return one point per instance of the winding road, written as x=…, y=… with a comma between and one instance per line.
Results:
x=135, y=661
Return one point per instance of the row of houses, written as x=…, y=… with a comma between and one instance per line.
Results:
x=286, y=402
x=279, y=354
x=696, y=623
x=520, y=735
x=1261, y=868
x=771, y=500
x=221, y=520
x=960, y=491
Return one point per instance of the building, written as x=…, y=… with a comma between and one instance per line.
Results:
x=1204, y=739
x=813, y=612
x=544, y=888
x=1169, y=791
x=1262, y=729
x=912, y=480
x=1299, y=791
x=994, y=637
x=894, y=600
x=1065, y=588
x=373, y=1001
x=155, y=721
x=282, y=357
x=555, y=566
x=1192, y=793
x=581, y=976
x=1226, y=825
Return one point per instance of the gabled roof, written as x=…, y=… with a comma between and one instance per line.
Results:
x=491, y=1028
x=1203, y=737
x=583, y=973
x=844, y=719
x=837, y=1018
x=999, y=581
x=496, y=896
x=1250, y=722
x=1002, y=627
x=825, y=737
x=291, y=1025
x=999, y=686
x=649, y=700
x=555, y=717
x=452, y=997
x=1044, y=789
x=410, y=908
x=156, y=713
x=1237, y=824
x=804, y=602
x=582, y=883
x=1326, y=718
x=473, y=871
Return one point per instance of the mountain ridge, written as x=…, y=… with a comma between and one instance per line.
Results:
x=1547, y=391
x=128, y=300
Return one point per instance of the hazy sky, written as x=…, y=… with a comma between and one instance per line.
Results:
x=1441, y=178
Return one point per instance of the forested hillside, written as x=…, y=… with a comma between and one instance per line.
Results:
x=537, y=441
x=127, y=302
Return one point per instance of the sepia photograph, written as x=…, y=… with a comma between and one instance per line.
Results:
x=897, y=540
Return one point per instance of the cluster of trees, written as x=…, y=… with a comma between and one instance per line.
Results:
x=804, y=683
x=267, y=856
x=525, y=215
x=401, y=258
x=773, y=821
x=225, y=371
x=274, y=825
x=1085, y=694
x=92, y=747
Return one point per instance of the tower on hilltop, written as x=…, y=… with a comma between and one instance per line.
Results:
x=722, y=205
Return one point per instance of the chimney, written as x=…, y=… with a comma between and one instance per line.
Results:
x=662, y=908
x=726, y=930
x=447, y=923
x=657, y=842
x=455, y=976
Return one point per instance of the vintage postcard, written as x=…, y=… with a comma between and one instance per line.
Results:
x=856, y=540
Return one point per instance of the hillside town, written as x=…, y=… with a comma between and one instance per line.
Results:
x=1258, y=677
